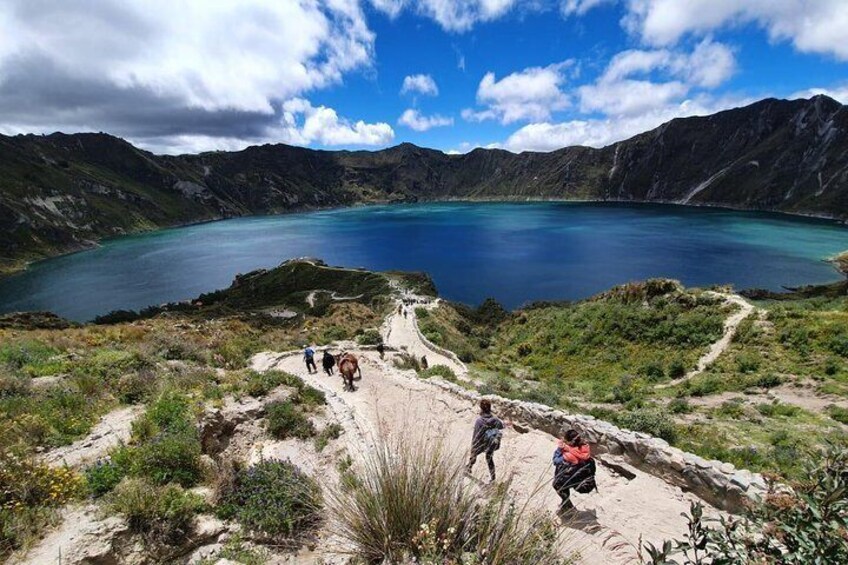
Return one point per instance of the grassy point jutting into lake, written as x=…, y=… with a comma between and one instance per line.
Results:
x=424, y=282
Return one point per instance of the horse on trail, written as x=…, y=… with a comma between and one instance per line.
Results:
x=348, y=367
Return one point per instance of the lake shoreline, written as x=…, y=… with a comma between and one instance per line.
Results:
x=21, y=265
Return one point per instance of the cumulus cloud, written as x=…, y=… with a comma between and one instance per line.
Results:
x=157, y=70
x=303, y=124
x=415, y=120
x=451, y=15
x=421, y=84
x=531, y=94
x=819, y=26
x=601, y=132
x=627, y=86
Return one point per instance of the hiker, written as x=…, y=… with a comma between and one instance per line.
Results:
x=328, y=361
x=404, y=313
x=400, y=308
x=424, y=363
x=309, y=358
x=574, y=468
x=381, y=349
x=488, y=431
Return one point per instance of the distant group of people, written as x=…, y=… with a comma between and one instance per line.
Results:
x=574, y=467
x=347, y=363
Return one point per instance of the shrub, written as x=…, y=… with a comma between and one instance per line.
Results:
x=679, y=406
x=748, y=362
x=769, y=380
x=104, y=476
x=653, y=371
x=259, y=384
x=28, y=492
x=733, y=408
x=703, y=386
x=412, y=503
x=369, y=337
x=285, y=419
x=677, y=369
x=406, y=361
x=334, y=333
x=649, y=421
x=330, y=431
x=777, y=409
x=164, y=514
x=838, y=413
x=438, y=371
x=134, y=388
x=273, y=498
x=309, y=396
x=170, y=457
x=807, y=524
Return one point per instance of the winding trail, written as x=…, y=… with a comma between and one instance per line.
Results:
x=390, y=401
x=731, y=324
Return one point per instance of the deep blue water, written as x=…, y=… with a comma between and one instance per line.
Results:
x=512, y=252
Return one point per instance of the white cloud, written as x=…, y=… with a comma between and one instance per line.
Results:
x=532, y=94
x=415, y=120
x=813, y=26
x=627, y=87
x=422, y=84
x=304, y=124
x=451, y=15
x=150, y=69
x=837, y=92
x=580, y=7
x=602, y=132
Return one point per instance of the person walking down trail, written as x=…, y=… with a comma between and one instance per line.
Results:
x=328, y=361
x=488, y=431
x=309, y=358
x=424, y=364
x=381, y=349
x=574, y=468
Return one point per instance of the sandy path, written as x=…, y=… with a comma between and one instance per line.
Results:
x=400, y=332
x=310, y=298
x=112, y=429
x=718, y=347
x=391, y=401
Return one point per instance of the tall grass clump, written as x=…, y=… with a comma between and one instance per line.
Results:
x=413, y=502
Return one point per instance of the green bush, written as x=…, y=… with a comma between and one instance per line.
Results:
x=677, y=369
x=134, y=388
x=104, y=476
x=438, y=371
x=171, y=457
x=679, y=406
x=748, y=362
x=369, y=337
x=733, y=408
x=259, y=384
x=310, y=397
x=650, y=421
x=769, y=380
x=653, y=371
x=285, y=419
x=838, y=413
x=330, y=431
x=806, y=524
x=273, y=498
x=777, y=409
x=164, y=514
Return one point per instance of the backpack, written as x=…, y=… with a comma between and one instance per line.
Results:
x=493, y=439
x=579, y=477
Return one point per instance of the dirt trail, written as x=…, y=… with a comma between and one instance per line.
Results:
x=718, y=347
x=112, y=429
x=310, y=298
x=388, y=401
x=401, y=332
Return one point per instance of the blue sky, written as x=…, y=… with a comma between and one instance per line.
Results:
x=520, y=75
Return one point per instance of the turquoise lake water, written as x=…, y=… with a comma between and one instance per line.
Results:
x=513, y=252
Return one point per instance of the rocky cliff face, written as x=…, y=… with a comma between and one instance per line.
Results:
x=62, y=192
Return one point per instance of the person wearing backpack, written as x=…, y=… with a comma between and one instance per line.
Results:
x=488, y=431
x=309, y=358
x=574, y=468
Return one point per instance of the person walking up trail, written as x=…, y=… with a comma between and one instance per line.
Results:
x=309, y=358
x=488, y=431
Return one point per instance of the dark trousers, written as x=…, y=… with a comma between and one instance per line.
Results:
x=310, y=365
x=490, y=461
x=565, y=500
x=328, y=369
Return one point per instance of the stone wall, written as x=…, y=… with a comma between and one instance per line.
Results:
x=718, y=483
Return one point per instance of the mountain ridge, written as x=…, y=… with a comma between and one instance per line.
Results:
x=64, y=192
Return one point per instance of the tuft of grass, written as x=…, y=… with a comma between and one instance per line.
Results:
x=412, y=503
x=438, y=371
x=286, y=419
x=330, y=432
